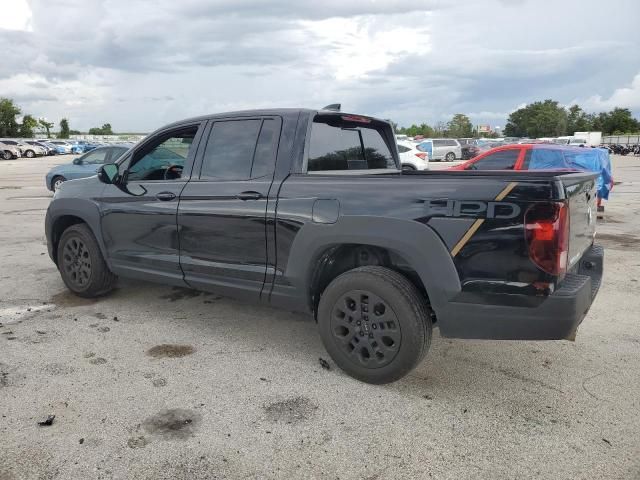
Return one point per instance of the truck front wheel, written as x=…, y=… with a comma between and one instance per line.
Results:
x=81, y=264
x=374, y=323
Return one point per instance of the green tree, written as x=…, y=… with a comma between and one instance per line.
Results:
x=46, y=126
x=538, y=119
x=8, y=113
x=619, y=121
x=440, y=129
x=103, y=130
x=578, y=120
x=64, y=128
x=29, y=124
x=422, y=129
x=460, y=126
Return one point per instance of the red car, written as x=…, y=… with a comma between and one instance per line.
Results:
x=545, y=156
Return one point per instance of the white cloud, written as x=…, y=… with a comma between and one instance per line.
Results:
x=353, y=47
x=138, y=67
x=625, y=97
x=15, y=15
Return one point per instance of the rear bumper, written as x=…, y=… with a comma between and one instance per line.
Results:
x=558, y=317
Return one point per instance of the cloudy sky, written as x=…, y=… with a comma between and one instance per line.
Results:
x=139, y=64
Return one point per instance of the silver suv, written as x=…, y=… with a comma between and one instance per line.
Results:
x=9, y=151
x=25, y=149
x=448, y=149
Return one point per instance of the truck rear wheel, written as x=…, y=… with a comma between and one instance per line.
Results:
x=375, y=324
x=81, y=264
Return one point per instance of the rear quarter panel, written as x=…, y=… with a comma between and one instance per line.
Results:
x=490, y=265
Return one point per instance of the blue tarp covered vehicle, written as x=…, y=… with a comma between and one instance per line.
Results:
x=570, y=158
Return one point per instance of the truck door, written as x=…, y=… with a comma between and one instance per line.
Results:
x=139, y=222
x=222, y=212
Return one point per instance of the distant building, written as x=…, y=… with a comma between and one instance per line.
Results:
x=110, y=138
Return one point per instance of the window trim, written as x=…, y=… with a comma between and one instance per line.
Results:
x=189, y=162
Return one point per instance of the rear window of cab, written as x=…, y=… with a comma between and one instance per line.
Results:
x=339, y=143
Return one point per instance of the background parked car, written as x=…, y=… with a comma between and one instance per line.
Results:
x=411, y=158
x=469, y=147
x=82, y=146
x=9, y=151
x=65, y=146
x=84, y=166
x=545, y=156
x=26, y=150
x=48, y=149
x=447, y=149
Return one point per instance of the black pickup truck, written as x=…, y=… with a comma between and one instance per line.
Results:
x=308, y=210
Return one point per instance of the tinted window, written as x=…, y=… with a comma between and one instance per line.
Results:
x=163, y=158
x=343, y=146
x=438, y=143
x=504, y=160
x=451, y=143
x=230, y=149
x=403, y=149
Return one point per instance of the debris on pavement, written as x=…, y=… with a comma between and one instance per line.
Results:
x=48, y=422
x=324, y=364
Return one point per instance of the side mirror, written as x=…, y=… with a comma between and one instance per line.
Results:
x=108, y=173
x=77, y=161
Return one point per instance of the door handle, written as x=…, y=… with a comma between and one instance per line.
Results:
x=249, y=196
x=165, y=196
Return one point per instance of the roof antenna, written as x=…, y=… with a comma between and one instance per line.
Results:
x=334, y=107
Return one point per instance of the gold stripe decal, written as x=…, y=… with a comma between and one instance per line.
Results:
x=506, y=191
x=476, y=225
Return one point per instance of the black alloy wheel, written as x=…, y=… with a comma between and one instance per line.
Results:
x=366, y=328
x=76, y=262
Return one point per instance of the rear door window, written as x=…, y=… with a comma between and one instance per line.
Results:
x=241, y=149
x=503, y=160
x=343, y=145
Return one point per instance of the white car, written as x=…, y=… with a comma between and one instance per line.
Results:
x=411, y=158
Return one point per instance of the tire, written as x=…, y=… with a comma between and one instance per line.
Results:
x=30, y=154
x=450, y=157
x=408, y=168
x=394, y=335
x=7, y=155
x=81, y=265
x=56, y=182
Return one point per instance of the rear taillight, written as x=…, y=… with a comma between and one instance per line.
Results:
x=547, y=234
x=422, y=156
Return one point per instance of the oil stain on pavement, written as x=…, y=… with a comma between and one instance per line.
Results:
x=176, y=423
x=167, y=350
x=291, y=410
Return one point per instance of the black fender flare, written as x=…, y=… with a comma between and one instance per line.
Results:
x=85, y=210
x=416, y=242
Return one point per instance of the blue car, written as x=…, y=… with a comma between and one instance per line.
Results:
x=82, y=146
x=84, y=166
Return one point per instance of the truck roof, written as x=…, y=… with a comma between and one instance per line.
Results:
x=263, y=112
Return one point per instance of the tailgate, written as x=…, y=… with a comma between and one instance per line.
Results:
x=580, y=191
